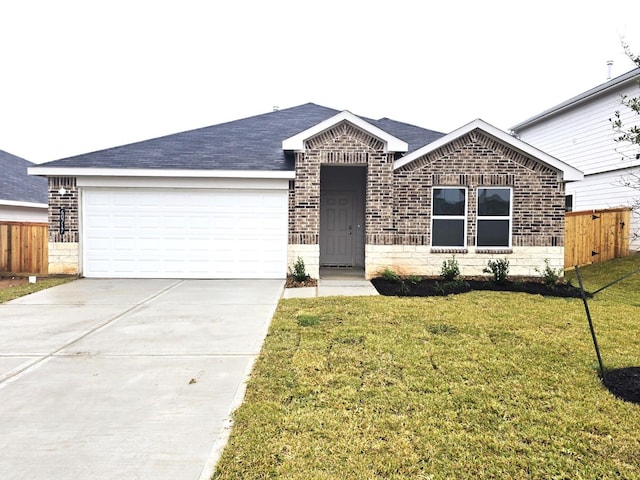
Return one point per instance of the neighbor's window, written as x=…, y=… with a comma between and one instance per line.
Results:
x=568, y=203
x=494, y=217
x=449, y=219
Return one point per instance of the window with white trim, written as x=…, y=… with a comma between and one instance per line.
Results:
x=449, y=217
x=494, y=218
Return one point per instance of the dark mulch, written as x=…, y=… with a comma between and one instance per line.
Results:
x=624, y=383
x=428, y=287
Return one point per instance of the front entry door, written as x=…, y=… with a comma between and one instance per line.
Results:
x=336, y=229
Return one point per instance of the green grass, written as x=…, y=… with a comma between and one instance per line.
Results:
x=478, y=385
x=12, y=293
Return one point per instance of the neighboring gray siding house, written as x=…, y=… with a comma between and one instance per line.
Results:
x=23, y=198
x=245, y=199
x=579, y=133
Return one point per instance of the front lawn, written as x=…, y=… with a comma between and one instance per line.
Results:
x=477, y=385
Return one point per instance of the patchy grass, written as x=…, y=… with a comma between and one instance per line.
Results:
x=11, y=293
x=478, y=385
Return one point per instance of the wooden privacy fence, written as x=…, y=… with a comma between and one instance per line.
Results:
x=24, y=248
x=593, y=236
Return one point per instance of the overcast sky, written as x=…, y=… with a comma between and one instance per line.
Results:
x=79, y=76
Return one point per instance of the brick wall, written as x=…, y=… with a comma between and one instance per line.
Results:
x=64, y=248
x=341, y=145
x=68, y=201
x=473, y=161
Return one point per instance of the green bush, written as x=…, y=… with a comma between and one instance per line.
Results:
x=299, y=272
x=550, y=276
x=499, y=269
x=390, y=275
x=450, y=269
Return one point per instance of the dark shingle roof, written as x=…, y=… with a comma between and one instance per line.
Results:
x=253, y=143
x=16, y=185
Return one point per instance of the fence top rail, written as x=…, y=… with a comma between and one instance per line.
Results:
x=600, y=211
x=24, y=224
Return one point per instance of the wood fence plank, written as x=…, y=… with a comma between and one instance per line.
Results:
x=24, y=248
x=596, y=236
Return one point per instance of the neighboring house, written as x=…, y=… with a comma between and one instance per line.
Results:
x=580, y=133
x=245, y=199
x=23, y=198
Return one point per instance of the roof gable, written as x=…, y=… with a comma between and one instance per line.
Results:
x=16, y=186
x=565, y=171
x=391, y=143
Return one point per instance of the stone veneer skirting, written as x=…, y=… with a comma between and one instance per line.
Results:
x=64, y=258
x=421, y=260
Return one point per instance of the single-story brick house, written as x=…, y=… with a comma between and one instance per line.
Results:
x=245, y=199
x=23, y=198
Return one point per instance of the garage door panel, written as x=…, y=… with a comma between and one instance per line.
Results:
x=168, y=233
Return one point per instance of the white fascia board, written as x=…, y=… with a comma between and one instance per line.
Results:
x=392, y=144
x=141, y=172
x=11, y=203
x=566, y=172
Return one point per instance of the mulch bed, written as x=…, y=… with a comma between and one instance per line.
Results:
x=428, y=287
x=624, y=383
x=293, y=283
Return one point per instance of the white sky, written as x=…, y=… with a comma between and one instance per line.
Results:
x=78, y=76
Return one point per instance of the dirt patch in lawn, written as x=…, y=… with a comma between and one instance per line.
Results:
x=624, y=383
x=428, y=287
x=6, y=282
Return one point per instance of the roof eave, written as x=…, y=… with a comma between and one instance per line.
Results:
x=629, y=77
x=13, y=203
x=144, y=172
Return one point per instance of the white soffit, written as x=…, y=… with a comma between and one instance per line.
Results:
x=567, y=172
x=392, y=144
x=11, y=203
x=143, y=172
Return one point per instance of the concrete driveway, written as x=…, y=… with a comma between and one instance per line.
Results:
x=126, y=379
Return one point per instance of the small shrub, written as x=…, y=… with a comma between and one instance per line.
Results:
x=414, y=279
x=550, y=276
x=450, y=269
x=390, y=275
x=499, y=269
x=299, y=272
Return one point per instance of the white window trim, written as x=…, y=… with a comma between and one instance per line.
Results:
x=451, y=217
x=495, y=217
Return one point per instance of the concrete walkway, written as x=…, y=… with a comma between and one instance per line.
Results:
x=335, y=282
x=126, y=379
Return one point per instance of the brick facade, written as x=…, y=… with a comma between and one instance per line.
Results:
x=473, y=161
x=68, y=201
x=64, y=247
x=398, y=203
x=341, y=145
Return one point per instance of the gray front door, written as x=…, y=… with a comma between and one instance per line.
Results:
x=336, y=229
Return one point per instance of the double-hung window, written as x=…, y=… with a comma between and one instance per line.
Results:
x=494, y=218
x=449, y=217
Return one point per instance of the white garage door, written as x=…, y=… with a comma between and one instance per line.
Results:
x=184, y=233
